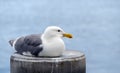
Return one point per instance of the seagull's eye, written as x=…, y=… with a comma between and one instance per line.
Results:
x=59, y=30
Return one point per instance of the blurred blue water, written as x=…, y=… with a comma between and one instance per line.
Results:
x=95, y=25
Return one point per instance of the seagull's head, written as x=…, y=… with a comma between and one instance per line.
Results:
x=54, y=31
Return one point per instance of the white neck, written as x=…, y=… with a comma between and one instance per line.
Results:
x=52, y=46
x=49, y=37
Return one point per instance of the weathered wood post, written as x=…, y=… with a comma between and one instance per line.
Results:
x=70, y=62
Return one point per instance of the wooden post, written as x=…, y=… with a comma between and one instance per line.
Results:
x=70, y=62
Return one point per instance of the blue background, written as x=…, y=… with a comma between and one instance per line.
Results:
x=95, y=25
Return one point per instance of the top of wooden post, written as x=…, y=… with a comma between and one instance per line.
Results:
x=68, y=55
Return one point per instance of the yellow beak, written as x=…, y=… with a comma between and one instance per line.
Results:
x=67, y=35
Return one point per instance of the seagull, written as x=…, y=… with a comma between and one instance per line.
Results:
x=49, y=43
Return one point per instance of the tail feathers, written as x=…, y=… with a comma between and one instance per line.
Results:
x=11, y=42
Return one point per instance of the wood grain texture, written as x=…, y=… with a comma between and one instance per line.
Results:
x=70, y=62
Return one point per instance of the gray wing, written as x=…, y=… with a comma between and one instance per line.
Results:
x=33, y=40
x=30, y=43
